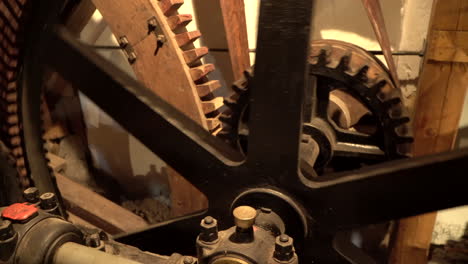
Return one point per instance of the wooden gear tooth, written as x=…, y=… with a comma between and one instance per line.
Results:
x=186, y=38
x=217, y=130
x=12, y=119
x=177, y=22
x=20, y=162
x=194, y=55
x=213, y=123
x=208, y=88
x=201, y=71
x=169, y=7
x=17, y=152
x=15, y=141
x=212, y=105
x=13, y=130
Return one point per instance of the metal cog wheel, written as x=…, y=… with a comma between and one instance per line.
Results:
x=359, y=116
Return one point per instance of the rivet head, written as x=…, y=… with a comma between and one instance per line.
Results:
x=244, y=216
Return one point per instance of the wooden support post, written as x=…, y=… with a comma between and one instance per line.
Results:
x=236, y=35
x=441, y=95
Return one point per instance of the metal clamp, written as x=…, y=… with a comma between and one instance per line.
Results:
x=128, y=49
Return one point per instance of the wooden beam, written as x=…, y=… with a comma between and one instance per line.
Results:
x=96, y=209
x=236, y=35
x=441, y=93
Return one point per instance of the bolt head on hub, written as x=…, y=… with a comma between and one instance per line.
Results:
x=209, y=229
x=31, y=195
x=48, y=201
x=6, y=230
x=284, y=249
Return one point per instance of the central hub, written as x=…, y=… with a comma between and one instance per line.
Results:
x=248, y=242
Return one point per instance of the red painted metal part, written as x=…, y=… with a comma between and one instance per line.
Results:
x=19, y=212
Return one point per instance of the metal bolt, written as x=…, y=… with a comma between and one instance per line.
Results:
x=208, y=220
x=31, y=195
x=284, y=249
x=48, y=201
x=161, y=38
x=284, y=238
x=94, y=240
x=244, y=216
x=265, y=210
x=132, y=57
x=188, y=260
x=6, y=230
x=152, y=23
x=123, y=41
x=209, y=229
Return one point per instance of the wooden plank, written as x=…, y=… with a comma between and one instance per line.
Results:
x=236, y=34
x=96, y=209
x=441, y=94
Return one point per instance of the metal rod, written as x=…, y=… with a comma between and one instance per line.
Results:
x=73, y=253
x=375, y=52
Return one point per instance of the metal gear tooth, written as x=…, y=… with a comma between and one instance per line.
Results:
x=376, y=88
x=322, y=58
x=344, y=63
x=240, y=86
x=362, y=74
x=248, y=74
x=225, y=117
x=231, y=100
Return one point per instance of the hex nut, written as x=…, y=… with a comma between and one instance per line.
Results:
x=31, y=195
x=48, y=201
x=6, y=230
x=209, y=229
x=284, y=249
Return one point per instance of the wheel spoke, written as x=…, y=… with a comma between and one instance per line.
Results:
x=276, y=100
x=387, y=191
x=203, y=159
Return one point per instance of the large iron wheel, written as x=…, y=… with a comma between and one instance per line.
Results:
x=316, y=210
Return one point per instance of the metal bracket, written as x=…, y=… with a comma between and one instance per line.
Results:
x=128, y=49
x=156, y=29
